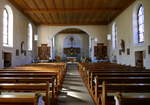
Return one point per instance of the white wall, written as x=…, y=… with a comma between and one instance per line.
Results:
x=124, y=24
x=46, y=33
x=19, y=34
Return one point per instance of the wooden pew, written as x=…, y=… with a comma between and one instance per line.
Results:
x=30, y=80
x=39, y=72
x=134, y=100
x=23, y=87
x=88, y=76
x=31, y=73
x=17, y=100
x=105, y=85
x=40, y=68
x=108, y=70
x=92, y=76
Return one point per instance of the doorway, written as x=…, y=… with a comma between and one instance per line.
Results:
x=7, y=59
x=139, y=56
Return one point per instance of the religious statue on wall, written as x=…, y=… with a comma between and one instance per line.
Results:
x=122, y=45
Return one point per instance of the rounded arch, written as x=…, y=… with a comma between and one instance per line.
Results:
x=10, y=12
x=72, y=27
x=83, y=31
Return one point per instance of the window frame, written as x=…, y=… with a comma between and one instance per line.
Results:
x=8, y=36
x=114, y=36
x=138, y=24
x=7, y=27
x=30, y=37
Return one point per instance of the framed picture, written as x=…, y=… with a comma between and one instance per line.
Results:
x=17, y=52
x=128, y=51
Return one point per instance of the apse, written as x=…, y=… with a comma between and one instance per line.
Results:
x=72, y=43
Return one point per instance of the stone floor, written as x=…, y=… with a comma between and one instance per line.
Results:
x=74, y=91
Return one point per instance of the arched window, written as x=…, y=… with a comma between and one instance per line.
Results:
x=140, y=24
x=114, y=36
x=30, y=37
x=7, y=27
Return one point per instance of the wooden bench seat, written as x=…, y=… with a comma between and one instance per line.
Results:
x=105, y=85
x=33, y=73
x=117, y=78
x=92, y=76
x=32, y=87
x=60, y=69
x=134, y=100
x=30, y=77
x=17, y=100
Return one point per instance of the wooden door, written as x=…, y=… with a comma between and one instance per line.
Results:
x=7, y=59
x=139, y=56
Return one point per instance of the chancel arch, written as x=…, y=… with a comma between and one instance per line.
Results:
x=71, y=42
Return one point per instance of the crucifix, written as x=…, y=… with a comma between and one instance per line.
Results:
x=71, y=40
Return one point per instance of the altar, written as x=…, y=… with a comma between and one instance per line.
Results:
x=72, y=50
x=71, y=59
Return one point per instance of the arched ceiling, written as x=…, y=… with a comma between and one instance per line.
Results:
x=72, y=31
x=71, y=12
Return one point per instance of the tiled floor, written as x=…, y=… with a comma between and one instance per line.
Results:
x=74, y=92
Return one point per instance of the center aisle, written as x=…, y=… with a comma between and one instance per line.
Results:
x=74, y=91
